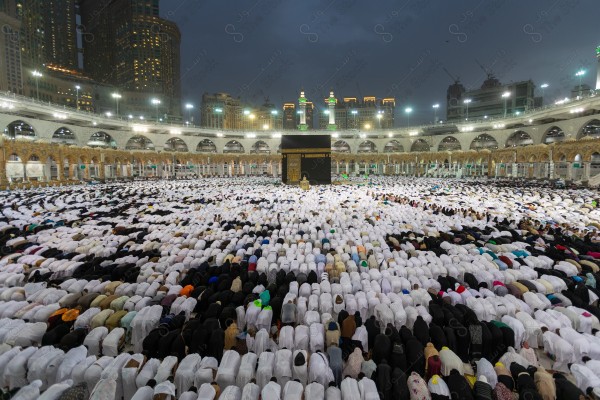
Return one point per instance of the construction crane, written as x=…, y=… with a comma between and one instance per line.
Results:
x=489, y=73
x=456, y=80
x=358, y=90
x=491, y=81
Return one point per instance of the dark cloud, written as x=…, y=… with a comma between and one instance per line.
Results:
x=260, y=48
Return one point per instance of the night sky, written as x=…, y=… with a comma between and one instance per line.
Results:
x=271, y=48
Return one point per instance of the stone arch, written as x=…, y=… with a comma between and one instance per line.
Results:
x=102, y=139
x=139, y=142
x=484, y=141
x=594, y=163
x=53, y=165
x=393, y=146
x=367, y=146
x=233, y=146
x=519, y=138
x=554, y=134
x=340, y=146
x=175, y=144
x=206, y=146
x=64, y=135
x=449, y=143
x=19, y=129
x=260, y=147
x=419, y=145
x=590, y=128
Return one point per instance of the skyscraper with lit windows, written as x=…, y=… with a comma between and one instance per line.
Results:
x=48, y=32
x=127, y=44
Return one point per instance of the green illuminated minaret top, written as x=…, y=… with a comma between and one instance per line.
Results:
x=331, y=101
x=302, y=99
x=302, y=105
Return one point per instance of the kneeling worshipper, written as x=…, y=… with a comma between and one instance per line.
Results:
x=241, y=288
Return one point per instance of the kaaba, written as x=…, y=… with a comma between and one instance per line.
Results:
x=306, y=156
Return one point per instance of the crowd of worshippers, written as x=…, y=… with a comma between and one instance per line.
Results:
x=244, y=289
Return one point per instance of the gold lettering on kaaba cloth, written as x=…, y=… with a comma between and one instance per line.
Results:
x=293, y=168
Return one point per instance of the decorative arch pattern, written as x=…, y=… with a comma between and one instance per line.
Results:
x=233, y=146
x=139, y=142
x=367, y=146
x=519, y=138
x=393, y=146
x=484, y=141
x=175, y=144
x=19, y=130
x=419, y=145
x=63, y=135
x=102, y=139
x=206, y=146
x=449, y=143
x=340, y=146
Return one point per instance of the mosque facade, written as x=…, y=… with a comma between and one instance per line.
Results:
x=555, y=142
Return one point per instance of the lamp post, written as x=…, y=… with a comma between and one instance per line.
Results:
x=37, y=75
x=354, y=112
x=467, y=102
x=579, y=74
x=379, y=116
x=117, y=96
x=219, y=112
x=505, y=96
x=544, y=86
x=77, y=87
x=435, y=108
x=156, y=102
x=245, y=123
x=408, y=110
x=274, y=113
x=252, y=117
x=189, y=107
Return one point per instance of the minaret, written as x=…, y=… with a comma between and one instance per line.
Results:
x=302, y=106
x=331, y=101
x=598, y=76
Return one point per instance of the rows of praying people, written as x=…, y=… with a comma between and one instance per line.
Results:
x=245, y=289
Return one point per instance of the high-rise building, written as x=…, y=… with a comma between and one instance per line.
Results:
x=48, y=32
x=265, y=117
x=33, y=33
x=9, y=7
x=69, y=88
x=370, y=113
x=60, y=33
x=454, y=96
x=220, y=111
x=310, y=115
x=10, y=63
x=97, y=40
x=493, y=99
x=289, y=116
x=126, y=44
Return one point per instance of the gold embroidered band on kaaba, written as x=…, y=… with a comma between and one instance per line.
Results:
x=314, y=150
